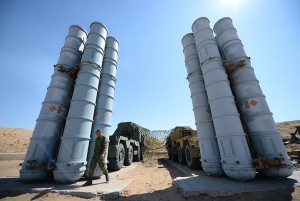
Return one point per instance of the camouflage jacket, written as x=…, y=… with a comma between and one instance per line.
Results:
x=100, y=145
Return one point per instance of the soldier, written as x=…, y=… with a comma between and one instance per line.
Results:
x=98, y=157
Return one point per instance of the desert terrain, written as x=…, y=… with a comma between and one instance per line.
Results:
x=153, y=179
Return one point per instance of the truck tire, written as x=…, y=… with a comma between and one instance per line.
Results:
x=116, y=163
x=137, y=157
x=128, y=156
x=174, y=155
x=192, y=162
x=181, y=156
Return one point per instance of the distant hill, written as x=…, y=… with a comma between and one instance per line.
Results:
x=287, y=127
x=14, y=140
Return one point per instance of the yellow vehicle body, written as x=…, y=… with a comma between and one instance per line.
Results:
x=182, y=145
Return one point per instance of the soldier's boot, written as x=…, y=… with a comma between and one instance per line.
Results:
x=89, y=182
x=107, y=177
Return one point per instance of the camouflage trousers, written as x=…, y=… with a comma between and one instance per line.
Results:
x=93, y=164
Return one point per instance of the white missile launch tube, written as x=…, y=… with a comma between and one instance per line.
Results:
x=71, y=160
x=44, y=142
x=235, y=155
x=262, y=130
x=105, y=98
x=210, y=155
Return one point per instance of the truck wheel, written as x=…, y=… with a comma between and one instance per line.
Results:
x=116, y=163
x=181, y=156
x=192, y=162
x=128, y=156
x=174, y=154
x=137, y=157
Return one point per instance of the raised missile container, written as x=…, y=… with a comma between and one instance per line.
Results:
x=261, y=127
x=210, y=156
x=105, y=98
x=72, y=156
x=235, y=155
x=42, y=151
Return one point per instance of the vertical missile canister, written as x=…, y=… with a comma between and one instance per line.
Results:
x=44, y=142
x=235, y=155
x=210, y=155
x=71, y=160
x=105, y=98
x=262, y=130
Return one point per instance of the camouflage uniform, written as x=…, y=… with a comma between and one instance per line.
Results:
x=100, y=145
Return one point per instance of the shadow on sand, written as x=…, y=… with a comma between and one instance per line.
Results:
x=14, y=187
x=278, y=193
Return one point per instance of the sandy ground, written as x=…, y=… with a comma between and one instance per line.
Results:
x=153, y=179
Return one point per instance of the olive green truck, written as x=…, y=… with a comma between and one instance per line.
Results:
x=126, y=145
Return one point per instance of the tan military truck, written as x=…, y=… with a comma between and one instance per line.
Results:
x=182, y=145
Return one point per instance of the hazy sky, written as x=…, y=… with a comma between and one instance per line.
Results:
x=151, y=87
